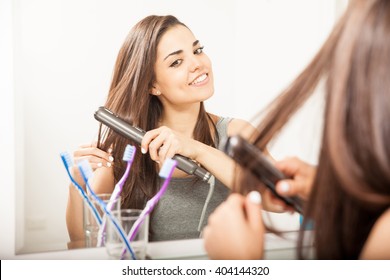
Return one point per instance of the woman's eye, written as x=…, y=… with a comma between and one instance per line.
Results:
x=198, y=50
x=176, y=63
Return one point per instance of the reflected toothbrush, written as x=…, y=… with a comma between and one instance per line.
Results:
x=128, y=156
x=87, y=173
x=68, y=163
x=166, y=173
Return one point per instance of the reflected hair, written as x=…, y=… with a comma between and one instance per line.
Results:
x=129, y=97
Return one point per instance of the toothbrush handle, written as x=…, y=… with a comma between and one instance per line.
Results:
x=134, y=230
x=110, y=204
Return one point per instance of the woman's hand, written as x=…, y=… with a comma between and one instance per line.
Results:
x=235, y=230
x=104, y=184
x=301, y=179
x=97, y=158
x=163, y=143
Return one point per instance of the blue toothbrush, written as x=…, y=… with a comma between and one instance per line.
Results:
x=87, y=173
x=68, y=163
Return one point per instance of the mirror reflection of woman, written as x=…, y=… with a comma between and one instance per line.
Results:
x=160, y=82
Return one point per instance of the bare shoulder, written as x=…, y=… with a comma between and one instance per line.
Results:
x=240, y=127
x=378, y=243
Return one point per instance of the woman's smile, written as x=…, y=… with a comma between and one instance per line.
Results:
x=200, y=80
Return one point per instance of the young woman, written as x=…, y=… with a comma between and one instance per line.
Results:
x=161, y=79
x=349, y=203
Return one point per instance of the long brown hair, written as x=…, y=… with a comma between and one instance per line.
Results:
x=352, y=185
x=129, y=97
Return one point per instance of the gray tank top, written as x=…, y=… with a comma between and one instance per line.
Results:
x=179, y=211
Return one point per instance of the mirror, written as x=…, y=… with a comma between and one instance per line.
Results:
x=64, y=54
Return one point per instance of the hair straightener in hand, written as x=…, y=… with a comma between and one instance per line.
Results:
x=136, y=134
x=251, y=157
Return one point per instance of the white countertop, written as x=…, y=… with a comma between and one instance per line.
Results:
x=275, y=248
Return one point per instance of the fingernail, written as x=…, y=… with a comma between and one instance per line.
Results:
x=99, y=164
x=108, y=164
x=143, y=151
x=284, y=187
x=109, y=150
x=111, y=158
x=255, y=197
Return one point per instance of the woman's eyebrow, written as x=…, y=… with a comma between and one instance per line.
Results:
x=180, y=51
x=173, y=53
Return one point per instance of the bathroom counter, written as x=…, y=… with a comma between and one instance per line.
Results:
x=276, y=247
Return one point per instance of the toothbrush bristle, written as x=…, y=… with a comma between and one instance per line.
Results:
x=168, y=166
x=67, y=159
x=85, y=168
x=129, y=153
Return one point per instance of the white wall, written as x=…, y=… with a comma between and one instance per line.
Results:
x=7, y=138
x=64, y=52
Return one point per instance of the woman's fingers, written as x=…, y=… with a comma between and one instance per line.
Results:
x=301, y=176
x=253, y=211
x=161, y=143
x=96, y=157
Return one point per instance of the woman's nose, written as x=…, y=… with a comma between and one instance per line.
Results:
x=195, y=64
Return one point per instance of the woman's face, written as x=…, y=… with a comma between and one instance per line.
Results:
x=183, y=72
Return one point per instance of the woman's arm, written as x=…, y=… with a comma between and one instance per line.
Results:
x=102, y=182
x=377, y=246
x=164, y=142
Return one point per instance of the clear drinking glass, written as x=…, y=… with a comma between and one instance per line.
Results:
x=115, y=245
x=90, y=223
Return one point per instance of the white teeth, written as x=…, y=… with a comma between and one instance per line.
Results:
x=199, y=79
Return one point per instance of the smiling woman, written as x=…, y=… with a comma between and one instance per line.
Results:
x=197, y=82
x=63, y=55
x=161, y=79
